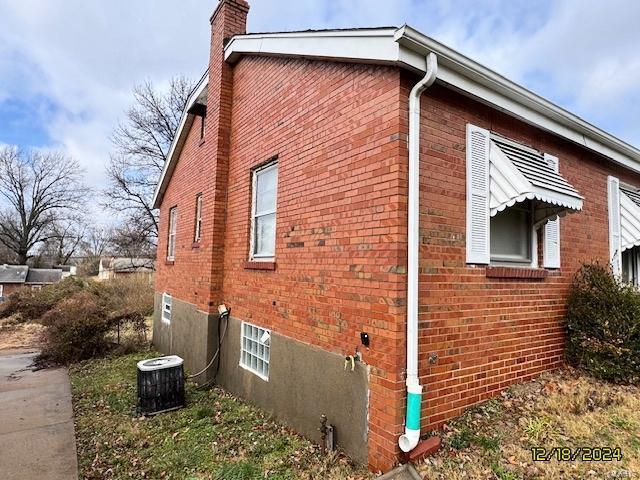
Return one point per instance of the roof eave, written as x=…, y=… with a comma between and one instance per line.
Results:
x=462, y=73
x=407, y=48
x=186, y=120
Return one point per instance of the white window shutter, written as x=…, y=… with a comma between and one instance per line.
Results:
x=615, y=257
x=477, y=195
x=551, y=244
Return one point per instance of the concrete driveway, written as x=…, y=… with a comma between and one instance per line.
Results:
x=37, y=438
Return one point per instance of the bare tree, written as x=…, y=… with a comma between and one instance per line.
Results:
x=97, y=242
x=142, y=144
x=38, y=188
x=6, y=255
x=130, y=241
x=64, y=239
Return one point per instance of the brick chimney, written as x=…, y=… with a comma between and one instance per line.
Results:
x=229, y=19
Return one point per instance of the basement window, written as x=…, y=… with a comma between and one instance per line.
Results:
x=263, y=212
x=166, y=308
x=255, y=350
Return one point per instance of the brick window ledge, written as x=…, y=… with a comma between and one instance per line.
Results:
x=195, y=245
x=169, y=262
x=260, y=266
x=524, y=273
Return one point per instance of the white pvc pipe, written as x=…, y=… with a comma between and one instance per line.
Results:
x=409, y=440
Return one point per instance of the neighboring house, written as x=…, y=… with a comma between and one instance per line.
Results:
x=120, y=266
x=13, y=277
x=291, y=195
x=68, y=270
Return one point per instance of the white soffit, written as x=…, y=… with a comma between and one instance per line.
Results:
x=629, y=218
x=518, y=173
x=408, y=48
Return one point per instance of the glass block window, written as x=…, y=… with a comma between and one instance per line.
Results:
x=254, y=354
x=166, y=308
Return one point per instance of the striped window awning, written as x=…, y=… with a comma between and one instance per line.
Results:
x=629, y=218
x=518, y=173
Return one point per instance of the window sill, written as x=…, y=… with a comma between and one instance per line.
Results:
x=252, y=265
x=525, y=273
x=201, y=142
x=169, y=262
x=195, y=245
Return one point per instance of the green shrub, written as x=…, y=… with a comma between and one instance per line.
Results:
x=603, y=325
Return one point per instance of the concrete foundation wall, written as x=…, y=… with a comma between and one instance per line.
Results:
x=191, y=334
x=304, y=383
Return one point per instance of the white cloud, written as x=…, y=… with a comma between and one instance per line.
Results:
x=85, y=57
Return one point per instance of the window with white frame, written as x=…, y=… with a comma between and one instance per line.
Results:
x=171, y=236
x=198, y=225
x=630, y=259
x=166, y=308
x=511, y=235
x=263, y=212
x=255, y=350
x=1, y=289
x=513, y=192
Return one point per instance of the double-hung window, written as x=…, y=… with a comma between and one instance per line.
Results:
x=198, y=224
x=171, y=236
x=263, y=212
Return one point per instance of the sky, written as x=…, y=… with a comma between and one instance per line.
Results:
x=68, y=67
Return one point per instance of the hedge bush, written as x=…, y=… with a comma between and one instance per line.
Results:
x=85, y=318
x=31, y=305
x=77, y=327
x=603, y=325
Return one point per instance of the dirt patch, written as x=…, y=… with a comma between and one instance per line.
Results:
x=16, y=335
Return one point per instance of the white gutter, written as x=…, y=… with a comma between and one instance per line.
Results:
x=410, y=439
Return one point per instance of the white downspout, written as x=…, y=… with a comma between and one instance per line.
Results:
x=409, y=440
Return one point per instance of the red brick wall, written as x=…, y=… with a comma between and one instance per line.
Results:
x=339, y=132
x=489, y=333
x=196, y=274
x=341, y=217
x=9, y=288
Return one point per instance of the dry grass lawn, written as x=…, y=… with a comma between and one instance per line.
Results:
x=561, y=409
x=16, y=335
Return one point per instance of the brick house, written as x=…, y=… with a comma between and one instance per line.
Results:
x=371, y=193
x=14, y=277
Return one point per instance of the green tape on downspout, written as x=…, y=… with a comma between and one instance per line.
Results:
x=414, y=400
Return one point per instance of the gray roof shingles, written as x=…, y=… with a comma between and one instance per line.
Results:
x=44, y=275
x=13, y=273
